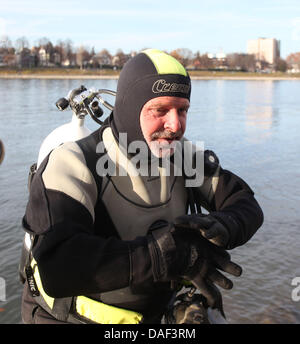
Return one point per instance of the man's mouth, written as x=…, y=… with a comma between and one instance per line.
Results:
x=164, y=140
x=166, y=136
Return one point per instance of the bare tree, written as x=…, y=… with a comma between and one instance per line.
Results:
x=293, y=60
x=120, y=58
x=176, y=55
x=186, y=55
x=7, y=50
x=65, y=49
x=43, y=42
x=5, y=42
x=205, y=62
x=68, y=47
x=243, y=62
x=104, y=57
x=197, y=60
x=21, y=43
x=281, y=65
x=183, y=55
x=82, y=57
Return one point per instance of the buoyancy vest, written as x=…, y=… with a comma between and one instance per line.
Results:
x=133, y=203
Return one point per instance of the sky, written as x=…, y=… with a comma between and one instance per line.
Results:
x=205, y=26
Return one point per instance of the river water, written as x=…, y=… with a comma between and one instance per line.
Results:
x=253, y=126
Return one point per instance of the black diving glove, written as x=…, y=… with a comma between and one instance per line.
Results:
x=208, y=225
x=178, y=253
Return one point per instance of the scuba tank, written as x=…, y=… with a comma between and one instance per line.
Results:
x=82, y=102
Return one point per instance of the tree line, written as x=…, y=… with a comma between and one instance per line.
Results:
x=63, y=54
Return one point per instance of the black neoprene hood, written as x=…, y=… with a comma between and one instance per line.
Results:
x=150, y=74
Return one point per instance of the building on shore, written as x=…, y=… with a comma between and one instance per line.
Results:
x=264, y=49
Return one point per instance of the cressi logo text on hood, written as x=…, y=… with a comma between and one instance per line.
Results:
x=161, y=86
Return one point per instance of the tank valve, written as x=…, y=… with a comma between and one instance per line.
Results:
x=62, y=104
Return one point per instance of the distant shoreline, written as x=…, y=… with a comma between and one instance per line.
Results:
x=56, y=76
x=101, y=77
x=205, y=76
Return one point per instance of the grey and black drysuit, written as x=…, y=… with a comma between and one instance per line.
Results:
x=91, y=231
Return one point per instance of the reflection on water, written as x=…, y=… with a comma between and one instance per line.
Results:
x=259, y=110
x=219, y=96
x=253, y=126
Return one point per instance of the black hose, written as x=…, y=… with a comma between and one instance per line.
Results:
x=105, y=103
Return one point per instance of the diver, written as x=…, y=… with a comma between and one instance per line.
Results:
x=110, y=247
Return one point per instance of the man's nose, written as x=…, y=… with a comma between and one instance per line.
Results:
x=172, y=122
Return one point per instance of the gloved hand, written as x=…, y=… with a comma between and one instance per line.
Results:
x=209, y=227
x=182, y=253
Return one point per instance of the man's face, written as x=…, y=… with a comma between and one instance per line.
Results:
x=163, y=121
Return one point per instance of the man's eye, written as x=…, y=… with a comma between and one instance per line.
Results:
x=159, y=112
x=183, y=111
